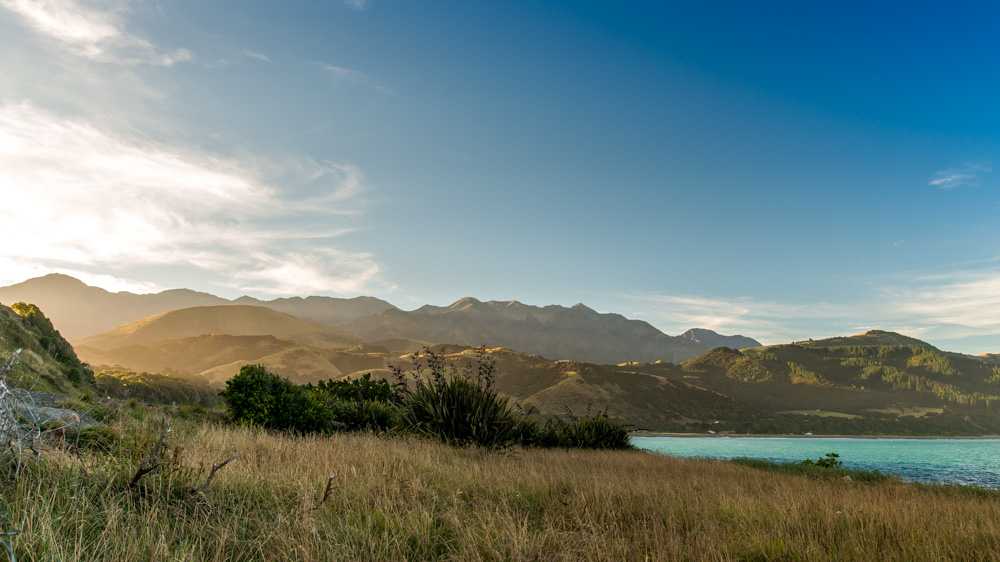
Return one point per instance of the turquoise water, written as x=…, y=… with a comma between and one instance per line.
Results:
x=958, y=461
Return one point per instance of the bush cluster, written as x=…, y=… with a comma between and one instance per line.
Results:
x=436, y=400
x=257, y=397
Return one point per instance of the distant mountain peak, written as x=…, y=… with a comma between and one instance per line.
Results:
x=465, y=303
x=712, y=339
x=582, y=307
x=53, y=280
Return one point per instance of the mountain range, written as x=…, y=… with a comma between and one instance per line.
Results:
x=81, y=312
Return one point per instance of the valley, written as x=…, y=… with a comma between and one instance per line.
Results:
x=871, y=383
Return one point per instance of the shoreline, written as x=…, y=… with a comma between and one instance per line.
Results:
x=782, y=436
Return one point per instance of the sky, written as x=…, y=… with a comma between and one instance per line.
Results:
x=782, y=170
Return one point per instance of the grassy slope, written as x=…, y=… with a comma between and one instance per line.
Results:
x=47, y=362
x=852, y=379
x=235, y=320
x=409, y=499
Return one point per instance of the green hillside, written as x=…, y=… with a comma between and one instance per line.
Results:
x=47, y=361
x=850, y=378
x=822, y=387
x=871, y=337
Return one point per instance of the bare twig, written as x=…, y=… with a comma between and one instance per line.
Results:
x=329, y=488
x=15, y=436
x=4, y=540
x=216, y=468
x=153, y=461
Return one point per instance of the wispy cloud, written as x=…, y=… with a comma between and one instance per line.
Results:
x=767, y=321
x=967, y=174
x=359, y=5
x=92, y=33
x=343, y=74
x=90, y=199
x=954, y=305
x=252, y=54
x=961, y=303
x=350, y=76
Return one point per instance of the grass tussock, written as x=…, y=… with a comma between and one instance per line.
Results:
x=408, y=498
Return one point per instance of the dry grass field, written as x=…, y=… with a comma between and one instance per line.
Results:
x=409, y=499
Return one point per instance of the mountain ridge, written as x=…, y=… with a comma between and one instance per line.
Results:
x=576, y=332
x=80, y=310
x=552, y=331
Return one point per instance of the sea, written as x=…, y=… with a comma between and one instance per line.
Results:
x=951, y=461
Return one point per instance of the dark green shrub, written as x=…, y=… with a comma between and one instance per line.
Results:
x=458, y=408
x=257, y=397
x=829, y=460
x=460, y=412
x=595, y=433
x=527, y=433
x=365, y=415
x=356, y=390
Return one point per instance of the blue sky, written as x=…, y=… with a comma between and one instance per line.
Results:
x=783, y=170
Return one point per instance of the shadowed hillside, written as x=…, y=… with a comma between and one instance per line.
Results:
x=555, y=332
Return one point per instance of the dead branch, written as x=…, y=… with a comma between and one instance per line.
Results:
x=4, y=537
x=329, y=488
x=153, y=461
x=216, y=468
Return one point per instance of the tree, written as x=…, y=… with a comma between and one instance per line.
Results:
x=257, y=397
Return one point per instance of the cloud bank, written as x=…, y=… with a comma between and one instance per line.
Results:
x=91, y=33
x=83, y=198
x=950, y=306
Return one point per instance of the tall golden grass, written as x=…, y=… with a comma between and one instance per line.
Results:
x=409, y=499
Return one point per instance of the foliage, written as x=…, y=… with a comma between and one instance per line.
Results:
x=24, y=326
x=457, y=408
x=356, y=390
x=365, y=415
x=829, y=460
x=815, y=469
x=255, y=396
x=595, y=431
x=155, y=388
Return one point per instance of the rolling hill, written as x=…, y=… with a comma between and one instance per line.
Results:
x=868, y=375
x=217, y=357
x=233, y=320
